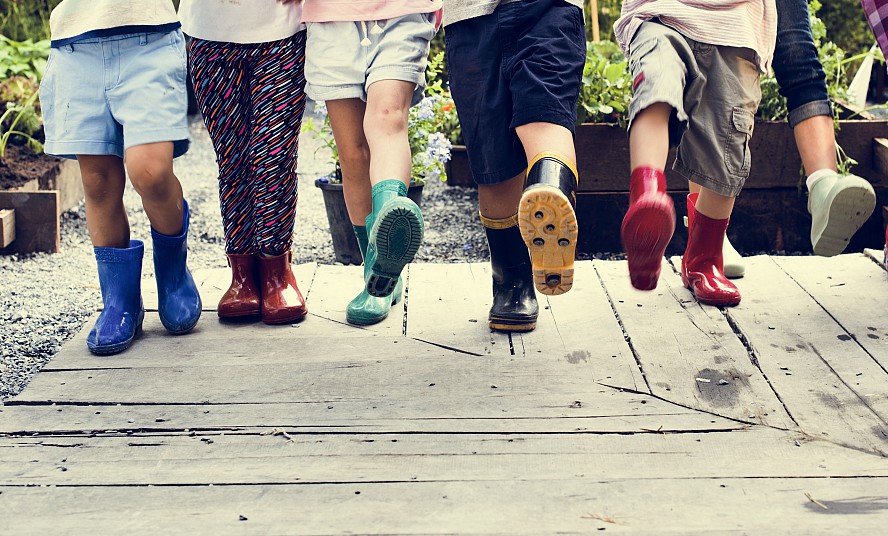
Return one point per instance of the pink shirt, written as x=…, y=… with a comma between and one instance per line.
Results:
x=364, y=10
x=735, y=23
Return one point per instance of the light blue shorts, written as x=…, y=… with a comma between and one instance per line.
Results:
x=338, y=66
x=102, y=96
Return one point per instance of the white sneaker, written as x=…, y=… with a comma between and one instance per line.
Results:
x=735, y=267
x=839, y=206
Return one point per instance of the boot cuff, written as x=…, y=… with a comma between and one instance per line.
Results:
x=503, y=223
x=132, y=253
x=167, y=240
x=390, y=185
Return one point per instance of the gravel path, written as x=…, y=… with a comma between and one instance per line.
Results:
x=46, y=299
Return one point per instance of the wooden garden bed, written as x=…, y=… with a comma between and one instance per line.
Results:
x=771, y=213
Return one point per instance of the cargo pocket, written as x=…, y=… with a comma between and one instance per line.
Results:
x=737, y=158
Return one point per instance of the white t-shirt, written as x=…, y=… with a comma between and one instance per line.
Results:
x=74, y=18
x=240, y=21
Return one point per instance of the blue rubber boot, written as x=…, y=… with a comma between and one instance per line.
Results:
x=179, y=302
x=364, y=309
x=120, y=277
x=395, y=232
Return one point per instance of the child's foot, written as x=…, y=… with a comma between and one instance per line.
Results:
x=179, y=304
x=702, y=266
x=364, y=309
x=242, y=297
x=839, y=206
x=514, y=305
x=282, y=302
x=120, y=276
x=548, y=222
x=395, y=234
x=647, y=227
x=735, y=266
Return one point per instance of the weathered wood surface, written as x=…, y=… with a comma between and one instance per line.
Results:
x=600, y=419
x=7, y=227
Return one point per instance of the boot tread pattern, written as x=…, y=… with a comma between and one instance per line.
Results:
x=549, y=227
x=398, y=237
x=646, y=232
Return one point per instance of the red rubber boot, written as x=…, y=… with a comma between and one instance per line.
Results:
x=647, y=227
x=242, y=297
x=702, y=266
x=282, y=302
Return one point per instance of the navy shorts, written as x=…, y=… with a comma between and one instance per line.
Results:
x=521, y=64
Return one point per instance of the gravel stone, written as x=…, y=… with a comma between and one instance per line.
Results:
x=45, y=300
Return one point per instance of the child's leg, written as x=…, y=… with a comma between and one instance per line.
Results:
x=104, y=180
x=839, y=205
x=385, y=125
x=150, y=169
x=347, y=120
x=649, y=137
x=277, y=101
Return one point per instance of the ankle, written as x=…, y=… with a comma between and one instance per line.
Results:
x=818, y=176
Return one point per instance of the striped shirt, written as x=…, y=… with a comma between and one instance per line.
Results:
x=734, y=23
x=364, y=10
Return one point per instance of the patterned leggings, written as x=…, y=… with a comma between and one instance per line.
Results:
x=251, y=98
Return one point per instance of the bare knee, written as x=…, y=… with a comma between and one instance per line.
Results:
x=151, y=178
x=354, y=158
x=103, y=179
x=389, y=116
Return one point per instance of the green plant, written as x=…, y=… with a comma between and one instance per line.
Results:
x=24, y=19
x=23, y=58
x=21, y=121
x=607, y=85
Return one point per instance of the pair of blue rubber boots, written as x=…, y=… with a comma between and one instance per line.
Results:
x=390, y=240
x=120, y=278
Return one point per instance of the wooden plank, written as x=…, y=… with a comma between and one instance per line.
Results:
x=335, y=286
x=297, y=458
x=7, y=227
x=880, y=155
x=876, y=255
x=448, y=305
x=692, y=357
x=580, y=328
x=604, y=411
x=36, y=221
x=799, y=348
x=212, y=283
x=642, y=506
x=445, y=374
x=214, y=343
x=843, y=286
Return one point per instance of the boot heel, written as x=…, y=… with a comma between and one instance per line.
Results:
x=549, y=228
x=397, y=237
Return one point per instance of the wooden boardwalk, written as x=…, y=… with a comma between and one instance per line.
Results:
x=624, y=411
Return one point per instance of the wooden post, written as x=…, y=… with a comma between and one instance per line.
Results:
x=7, y=227
x=880, y=155
x=592, y=9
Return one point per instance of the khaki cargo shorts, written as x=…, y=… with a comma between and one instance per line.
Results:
x=714, y=91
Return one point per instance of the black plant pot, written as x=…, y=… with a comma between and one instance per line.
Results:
x=345, y=245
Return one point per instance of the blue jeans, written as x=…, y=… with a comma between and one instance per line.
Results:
x=796, y=64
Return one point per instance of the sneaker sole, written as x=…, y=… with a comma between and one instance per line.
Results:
x=849, y=210
x=646, y=231
x=398, y=237
x=548, y=225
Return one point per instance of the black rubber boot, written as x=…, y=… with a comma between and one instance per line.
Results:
x=548, y=221
x=514, y=298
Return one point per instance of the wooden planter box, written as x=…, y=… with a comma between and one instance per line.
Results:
x=770, y=215
x=36, y=206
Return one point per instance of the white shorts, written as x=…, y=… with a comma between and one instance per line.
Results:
x=337, y=66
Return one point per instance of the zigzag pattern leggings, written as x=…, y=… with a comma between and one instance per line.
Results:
x=251, y=98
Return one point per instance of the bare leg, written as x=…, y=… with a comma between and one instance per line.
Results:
x=150, y=168
x=385, y=125
x=541, y=137
x=103, y=182
x=347, y=120
x=498, y=201
x=713, y=205
x=816, y=140
x=649, y=137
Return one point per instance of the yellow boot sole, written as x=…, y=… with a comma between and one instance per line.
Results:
x=549, y=227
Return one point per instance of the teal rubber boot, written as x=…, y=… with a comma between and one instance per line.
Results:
x=366, y=310
x=395, y=232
